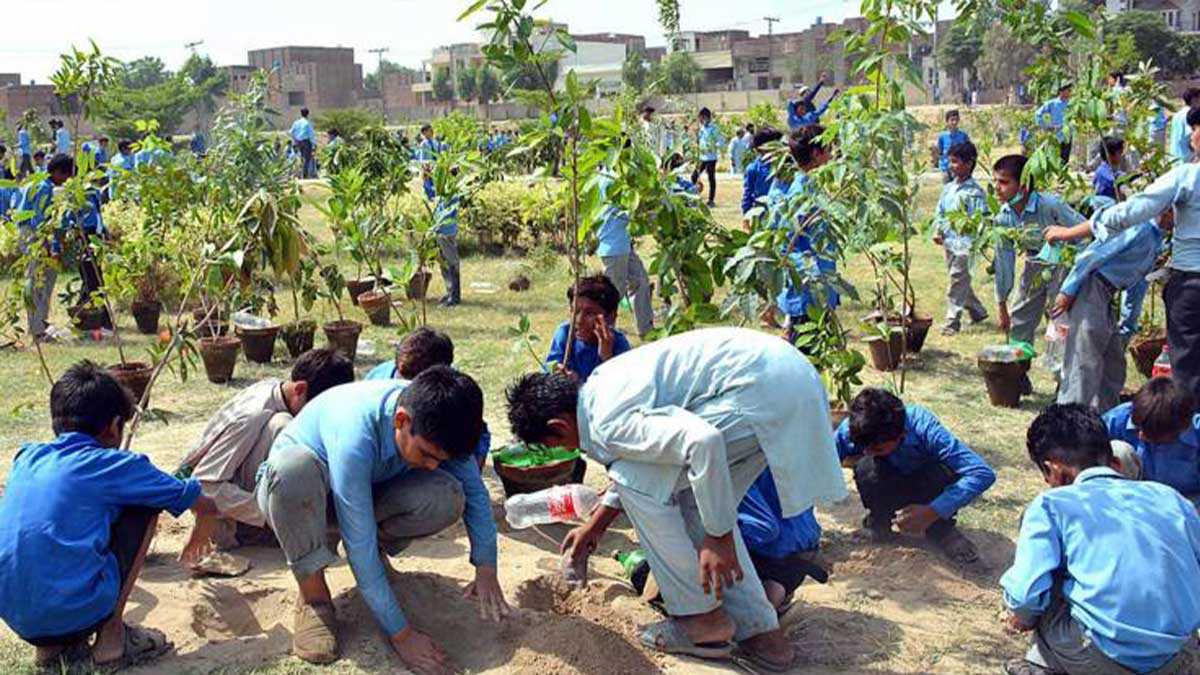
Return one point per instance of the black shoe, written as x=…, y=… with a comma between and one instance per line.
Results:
x=951, y=329
x=979, y=319
x=712, y=205
x=1023, y=667
x=881, y=531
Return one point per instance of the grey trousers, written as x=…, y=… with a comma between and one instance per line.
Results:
x=959, y=294
x=1035, y=296
x=1061, y=646
x=40, y=281
x=1093, y=370
x=451, y=265
x=628, y=274
x=293, y=492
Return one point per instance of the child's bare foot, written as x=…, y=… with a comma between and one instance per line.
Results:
x=714, y=626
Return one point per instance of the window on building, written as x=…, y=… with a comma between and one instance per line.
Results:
x=295, y=98
x=760, y=64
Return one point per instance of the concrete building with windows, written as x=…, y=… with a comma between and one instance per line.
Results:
x=317, y=78
x=1179, y=15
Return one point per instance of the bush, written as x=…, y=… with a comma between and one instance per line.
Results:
x=348, y=121
x=514, y=214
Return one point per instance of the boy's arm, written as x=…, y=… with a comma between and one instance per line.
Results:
x=848, y=455
x=1029, y=583
x=1160, y=196
x=748, y=180
x=974, y=475
x=477, y=514
x=1005, y=265
x=558, y=347
x=129, y=479
x=812, y=93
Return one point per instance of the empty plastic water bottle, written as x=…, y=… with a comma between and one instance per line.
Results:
x=559, y=504
x=1162, y=365
x=1056, y=345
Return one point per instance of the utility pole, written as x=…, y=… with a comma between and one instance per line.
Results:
x=191, y=46
x=379, y=52
x=771, y=21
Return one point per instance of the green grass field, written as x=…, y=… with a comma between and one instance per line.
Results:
x=943, y=377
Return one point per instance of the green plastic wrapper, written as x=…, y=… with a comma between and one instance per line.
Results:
x=525, y=456
x=1025, y=350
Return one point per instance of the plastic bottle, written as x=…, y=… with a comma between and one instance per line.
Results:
x=636, y=569
x=1162, y=365
x=1056, y=345
x=559, y=504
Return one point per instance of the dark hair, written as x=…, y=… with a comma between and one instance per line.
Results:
x=804, y=143
x=1190, y=94
x=876, y=416
x=953, y=112
x=3, y=149
x=1112, y=145
x=705, y=112
x=421, y=350
x=1070, y=433
x=1162, y=407
x=1013, y=165
x=61, y=162
x=1193, y=117
x=750, y=127
x=322, y=369
x=124, y=146
x=674, y=161
x=765, y=135
x=535, y=399
x=426, y=127
x=87, y=399
x=965, y=152
x=600, y=290
x=1117, y=75
x=304, y=112
x=334, y=132
x=446, y=408
x=39, y=153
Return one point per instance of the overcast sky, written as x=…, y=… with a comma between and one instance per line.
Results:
x=34, y=32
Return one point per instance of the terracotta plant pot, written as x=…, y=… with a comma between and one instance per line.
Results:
x=916, y=330
x=146, y=315
x=1145, y=351
x=378, y=306
x=418, y=285
x=1004, y=381
x=207, y=328
x=134, y=375
x=343, y=336
x=258, y=343
x=298, y=337
x=356, y=287
x=89, y=318
x=887, y=354
x=199, y=313
x=525, y=480
x=220, y=356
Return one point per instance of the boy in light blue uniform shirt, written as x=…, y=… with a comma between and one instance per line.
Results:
x=31, y=214
x=737, y=152
x=961, y=195
x=596, y=338
x=949, y=138
x=1105, y=568
x=803, y=112
x=305, y=139
x=1179, y=144
x=62, y=139
x=394, y=461
x=1053, y=116
x=1162, y=427
x=1093, y=371
x=710, y=142
x=622, y=265
x=25, y=151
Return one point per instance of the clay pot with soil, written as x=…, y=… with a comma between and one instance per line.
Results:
x=89, y=318
x=1145, y=350
x=146, y=315
x=220, y=356
x=343, y=336
x=525, y=480
x=257, y=343
x=418, y=285
x=377, y=304
x=886, y=353
x=519, y=284
x=298, y=336
x=207, y=326
x=134, y=376
x=1004, y=381
x=356, y=287
x=916, y=329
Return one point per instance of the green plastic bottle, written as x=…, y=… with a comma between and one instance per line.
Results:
x=629, y=560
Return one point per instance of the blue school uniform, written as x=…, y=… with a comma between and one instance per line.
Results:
x=1124, y=554
x=958, y=197
x=31, y=205
x=1180, y=188
x=794, y=301
x=62, y=141
x=756, y=183
x=1176, y=464
x=710, y=142
x=57, y=574
x=1131, y=308
x=351, y=430
x=24, y=144
x=89, y=217
x=1179, y=143
x=766, y=532
x=613, y=232
x=1052, y=115
x=388, y=371
x=1041, y=211
x=302, y=130
x=1122, y=258
x=946, y=140
x=585, y=357
x=1105, y=180
x=796, y=119
x=927, y=442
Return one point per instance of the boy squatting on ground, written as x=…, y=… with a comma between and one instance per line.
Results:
x=76, y=521
x=1106, y=571
x=684, y=426
x=1093, y=371
x=597, y=338
x=961, y=195
x=373, y=450
x=1162, y=427
x=911, y=470
x=421, y=350
x=237, y=439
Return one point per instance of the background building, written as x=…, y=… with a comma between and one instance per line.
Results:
x=318, y=78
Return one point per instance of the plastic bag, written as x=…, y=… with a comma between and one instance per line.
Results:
x=1056, y=346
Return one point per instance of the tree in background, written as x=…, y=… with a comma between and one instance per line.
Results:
x=487, y=84
x=1153, y=41
x=959, y=52
x=465, y=85
x=443, y=85
x=1003, y=58
x=210, y=82
x=373, y=82
x=144, y=72
x=677, y=74
x=348, y=121
x=119, y=108
x=635, y=71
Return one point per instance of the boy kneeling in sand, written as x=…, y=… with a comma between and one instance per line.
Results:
x=1106, y=568
x=391, y=461
x=684, y=426
x=76, y=521
x=236, y=440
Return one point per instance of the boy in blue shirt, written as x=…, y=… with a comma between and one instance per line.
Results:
x=25, y=150
x=32, y=215
x=737, y=152
x=949, y=138
x=961, y=195
x=1052, y=115
x=710, y=142
x=445, y=214
x=804, y=111
x=1093, y=371
x=1105, y=568
x=305, y=140
x=76, y=521
x=783, y=550
x=1109, y=171
x=596, y=338
x=756, y=182
x=622, y=264
x=368, y=454
x=911, y=471
x=1162, y=426
x=1179, y=142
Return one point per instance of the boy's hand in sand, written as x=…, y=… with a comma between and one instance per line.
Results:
x=420, y=653
x=916, y=518
x=719, y=564
x=200, y=543
x=486, y=589
x=580, y=542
